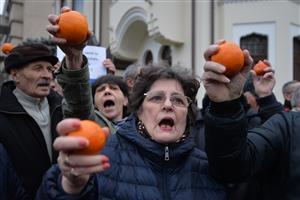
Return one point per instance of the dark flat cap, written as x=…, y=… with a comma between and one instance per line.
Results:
x=25, y=54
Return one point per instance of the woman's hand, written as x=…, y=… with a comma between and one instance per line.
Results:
x=76, y=169
x=218, y=87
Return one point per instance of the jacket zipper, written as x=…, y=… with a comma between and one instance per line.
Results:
x=166, y=195
x=167, y=153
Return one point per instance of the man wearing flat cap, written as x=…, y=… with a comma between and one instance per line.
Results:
x=29, y=112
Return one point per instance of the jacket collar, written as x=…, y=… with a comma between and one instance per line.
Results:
x=151, y=148
x=10, y=104
x=8, y=101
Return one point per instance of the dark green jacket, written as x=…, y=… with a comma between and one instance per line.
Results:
x=78, y=100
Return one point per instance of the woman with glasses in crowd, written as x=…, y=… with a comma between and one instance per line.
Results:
x=152, y=154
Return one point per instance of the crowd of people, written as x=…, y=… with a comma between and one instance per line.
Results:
x=241, y=143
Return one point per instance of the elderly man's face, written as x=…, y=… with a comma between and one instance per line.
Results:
x=34, y=79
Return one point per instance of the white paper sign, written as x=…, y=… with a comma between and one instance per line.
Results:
x=95, y=55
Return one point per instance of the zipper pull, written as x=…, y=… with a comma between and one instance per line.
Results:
x=167, y=153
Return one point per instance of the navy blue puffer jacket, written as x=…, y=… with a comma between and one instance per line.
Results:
x=143, y=169
x=10, y=184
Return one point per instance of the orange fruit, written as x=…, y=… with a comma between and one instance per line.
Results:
x=7, y=47
x=259, y=68
x=93, y=133
x=73, y=27
x=231, y=56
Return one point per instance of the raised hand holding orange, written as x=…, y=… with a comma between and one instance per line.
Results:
x=260, y=67
x=79, y=155
x=231, y=56
x=73, y=27
x=91, y=131
x=69, y=36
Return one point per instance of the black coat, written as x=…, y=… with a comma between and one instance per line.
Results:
x=270, y=154
x=268, y=106
x=23, y=138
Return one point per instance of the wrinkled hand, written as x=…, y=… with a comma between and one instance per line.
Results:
x=264, y=84
x=73, y=52
x=109, y=65
x=76, y=169
x=218, y=87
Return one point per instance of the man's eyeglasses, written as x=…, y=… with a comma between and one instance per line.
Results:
x=159, y=97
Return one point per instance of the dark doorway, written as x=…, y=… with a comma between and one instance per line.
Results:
x=296, y=57
x=166, y=55
x=148, y=58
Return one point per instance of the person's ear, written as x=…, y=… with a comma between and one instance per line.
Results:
x=14, y=75
x=130, y=82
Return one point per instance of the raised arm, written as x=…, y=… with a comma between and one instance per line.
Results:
x=73, y=76
x=234, y=153
x=266, y=100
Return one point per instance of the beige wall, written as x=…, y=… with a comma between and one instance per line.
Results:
x=169, y=22
x=28, y=19
x=133, y=27
x=16, y=22
x=105, y=23
x=281, y=14
x=35, y=18
x=203, y=38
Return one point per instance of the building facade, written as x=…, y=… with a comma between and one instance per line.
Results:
x=176, y=32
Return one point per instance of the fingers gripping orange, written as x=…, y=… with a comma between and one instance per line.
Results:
x=92, y=132
x=231, y=56
x=259, y=68
x=73, y=27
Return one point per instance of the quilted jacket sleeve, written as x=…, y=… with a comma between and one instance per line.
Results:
x=77, y=92
x=78, y=102
x=51, y=188
x=10, y=184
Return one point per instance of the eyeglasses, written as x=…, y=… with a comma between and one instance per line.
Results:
x=159, y=97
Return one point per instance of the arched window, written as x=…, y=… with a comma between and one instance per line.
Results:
x=296, y=46
x=166, y=55
x=148, y=58
x=257, y=44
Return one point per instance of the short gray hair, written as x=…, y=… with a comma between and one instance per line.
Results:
x=286, y=88
x=150, y=74
x=295, y=100
x=131, y=71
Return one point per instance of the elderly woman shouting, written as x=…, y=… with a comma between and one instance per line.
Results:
x=152, y=153
x=151, y=156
